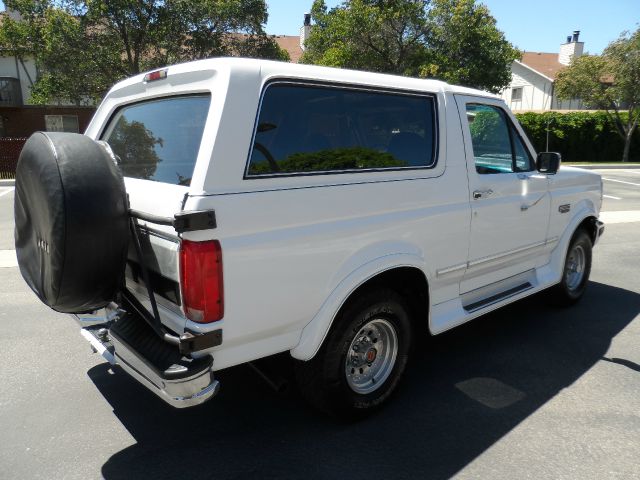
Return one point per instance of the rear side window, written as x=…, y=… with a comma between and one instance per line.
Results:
x=316, y=129
x=159, y=139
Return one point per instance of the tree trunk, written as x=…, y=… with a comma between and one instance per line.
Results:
x=627, y=146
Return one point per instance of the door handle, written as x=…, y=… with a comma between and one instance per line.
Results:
x=525, y=207
x=478, y=194
x=522, y=176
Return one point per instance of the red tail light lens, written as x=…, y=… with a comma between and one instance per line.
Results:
x=201, y=280
x=157, y=75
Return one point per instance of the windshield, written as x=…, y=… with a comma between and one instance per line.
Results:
x=159, y=139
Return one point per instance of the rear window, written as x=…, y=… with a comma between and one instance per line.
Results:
x=321, y=129
x=159, y=139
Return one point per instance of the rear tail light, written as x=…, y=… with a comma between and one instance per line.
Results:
x=201, y=280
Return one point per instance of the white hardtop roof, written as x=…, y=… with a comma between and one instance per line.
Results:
x=273, y=69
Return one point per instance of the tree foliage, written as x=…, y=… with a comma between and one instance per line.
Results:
x=454, y=40
x=135, y=146
x=609, y=82
x=82, y=47
x=345, y=158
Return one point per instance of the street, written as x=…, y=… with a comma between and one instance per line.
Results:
x=528, y=392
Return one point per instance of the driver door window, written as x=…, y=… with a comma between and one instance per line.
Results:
x=497, y=146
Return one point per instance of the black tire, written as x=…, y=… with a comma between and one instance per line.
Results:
x=573, y=283
x=323, y=379
x=71, y=217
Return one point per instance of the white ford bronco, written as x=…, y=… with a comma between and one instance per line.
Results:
x=225, y=210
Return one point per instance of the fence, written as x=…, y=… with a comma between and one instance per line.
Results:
x=9, y=152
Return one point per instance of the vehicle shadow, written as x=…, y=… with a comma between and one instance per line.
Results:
x=464, y=390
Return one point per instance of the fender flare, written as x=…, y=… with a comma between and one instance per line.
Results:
x=314, y=333
x=587, y=209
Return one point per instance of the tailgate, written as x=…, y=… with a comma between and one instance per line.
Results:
x=156, y=142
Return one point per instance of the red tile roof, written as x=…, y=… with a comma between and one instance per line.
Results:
x=544, y=63
x=291, y=44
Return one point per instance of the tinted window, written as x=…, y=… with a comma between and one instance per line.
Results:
x=321, y=129
x=159, y=140
x=497, y=147
x=523, y=160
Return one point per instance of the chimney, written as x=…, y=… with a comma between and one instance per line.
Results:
x=571, y=50
x=14, y=14
x=305, y=30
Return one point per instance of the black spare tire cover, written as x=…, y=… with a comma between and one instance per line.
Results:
x=71, y=221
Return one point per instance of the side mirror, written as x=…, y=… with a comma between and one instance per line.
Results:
x=548, y=162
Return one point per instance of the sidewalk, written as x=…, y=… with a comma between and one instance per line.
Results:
x=7, y=183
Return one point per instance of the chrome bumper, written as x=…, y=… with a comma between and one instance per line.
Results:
x=186, y=389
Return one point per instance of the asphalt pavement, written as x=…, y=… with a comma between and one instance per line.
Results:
x=528, y=392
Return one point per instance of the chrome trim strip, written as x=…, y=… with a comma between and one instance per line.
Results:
x=480, y=261
x=454, y=268
x=498, y=256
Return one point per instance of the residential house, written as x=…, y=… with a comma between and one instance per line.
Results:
x=17, y=117
x=533, y=78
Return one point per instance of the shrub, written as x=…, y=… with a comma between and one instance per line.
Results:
x=578, y=136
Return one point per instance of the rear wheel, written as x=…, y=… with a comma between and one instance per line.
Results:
x=362, y=359
x=577, y=267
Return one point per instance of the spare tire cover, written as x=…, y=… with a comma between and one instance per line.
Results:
x=71, y=221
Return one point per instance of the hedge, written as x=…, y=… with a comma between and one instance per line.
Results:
x=578, y=136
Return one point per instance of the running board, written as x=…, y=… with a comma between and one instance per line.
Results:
x=497, y=298
x=497, y=292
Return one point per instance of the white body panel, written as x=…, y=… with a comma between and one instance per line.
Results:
x=295, y=247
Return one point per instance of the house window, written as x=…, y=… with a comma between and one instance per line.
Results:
x=516, y=94
x=10, y=92
x=61, y=123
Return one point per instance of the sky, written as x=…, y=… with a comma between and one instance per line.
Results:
x=534, y=25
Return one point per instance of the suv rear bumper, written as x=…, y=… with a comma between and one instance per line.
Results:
x=130, y=343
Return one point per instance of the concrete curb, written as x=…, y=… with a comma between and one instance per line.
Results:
x=7, y=183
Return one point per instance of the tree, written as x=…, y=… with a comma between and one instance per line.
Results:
x=82, y=47
x=135, y=146
x=454, y=40
x=609, y=82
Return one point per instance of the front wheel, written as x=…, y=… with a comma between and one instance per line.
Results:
x=362, y=359
x=577, y=267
